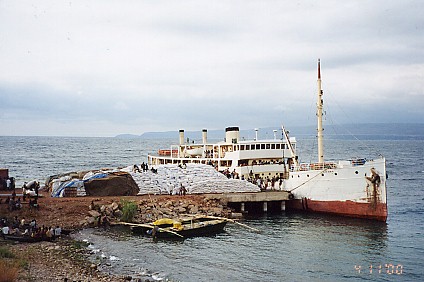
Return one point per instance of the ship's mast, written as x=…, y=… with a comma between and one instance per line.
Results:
x=320, y=129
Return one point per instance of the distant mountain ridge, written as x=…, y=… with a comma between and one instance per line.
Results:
x=395, y=131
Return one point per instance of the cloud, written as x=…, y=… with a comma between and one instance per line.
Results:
x=134, y=66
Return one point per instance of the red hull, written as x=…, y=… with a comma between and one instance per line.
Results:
x=376, y=211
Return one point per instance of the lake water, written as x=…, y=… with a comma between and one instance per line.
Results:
x=291, y=246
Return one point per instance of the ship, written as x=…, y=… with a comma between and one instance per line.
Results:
x=355, y=187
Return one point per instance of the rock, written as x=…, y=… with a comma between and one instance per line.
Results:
x=91, y=220
x=216, y=211
x=194, y=209
x=94, y=213
x=114, y=206
x=117, y=214
x=116, y=184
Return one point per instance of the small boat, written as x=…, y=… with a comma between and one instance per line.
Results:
x=196, y=151
x=22, y=238
x=181, y=228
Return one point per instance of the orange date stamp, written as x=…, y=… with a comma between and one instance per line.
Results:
x=386, y=268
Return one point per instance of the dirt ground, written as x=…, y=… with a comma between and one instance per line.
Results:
x=59, y=260
x=70, y=213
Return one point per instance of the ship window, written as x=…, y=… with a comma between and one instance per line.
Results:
x=294, y=146
x=258, y=146
x=268, y=146
x=253, y=147
x=241, y=147
x=272, y=146
x=283, y=146
x=298, y=175
x=307, y=175
x=356, y=172
x=335, y=173
x=322, y=174
x=262, y=146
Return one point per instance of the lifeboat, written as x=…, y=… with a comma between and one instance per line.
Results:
x=195, y=151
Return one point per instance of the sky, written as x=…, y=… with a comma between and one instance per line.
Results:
x=103, y=68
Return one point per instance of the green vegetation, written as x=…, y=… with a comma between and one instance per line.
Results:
x=129, y=209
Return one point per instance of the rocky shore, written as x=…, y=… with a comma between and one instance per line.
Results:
x=66, y=259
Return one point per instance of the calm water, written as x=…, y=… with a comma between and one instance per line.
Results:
x=292, y=246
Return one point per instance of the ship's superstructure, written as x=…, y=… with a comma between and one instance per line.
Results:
x=247, y=159
x=355, y=187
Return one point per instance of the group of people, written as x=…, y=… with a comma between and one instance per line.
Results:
x=15, y=203
x=143, y=168
x=22, y=228
x=232, y=174
x=275, y=183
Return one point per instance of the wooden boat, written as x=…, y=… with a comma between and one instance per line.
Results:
x=180, y=228
x=23, y=238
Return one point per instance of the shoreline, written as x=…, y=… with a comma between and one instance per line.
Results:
x=66, y=258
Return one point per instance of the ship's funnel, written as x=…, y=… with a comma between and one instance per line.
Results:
x=232, y=135
x=205, y=136
x=181, y=136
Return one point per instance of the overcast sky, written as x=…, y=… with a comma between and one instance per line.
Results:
x=102, y=68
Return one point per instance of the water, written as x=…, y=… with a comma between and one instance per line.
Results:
x=292, y=246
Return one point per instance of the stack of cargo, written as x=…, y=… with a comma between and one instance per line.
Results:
x=196, y=178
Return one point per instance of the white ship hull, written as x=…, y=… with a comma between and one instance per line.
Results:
x=343, y=188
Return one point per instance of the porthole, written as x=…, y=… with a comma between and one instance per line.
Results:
x=322, y=174
x=356, y=172
x=307, y=175
x=335, y=173
x=298, y=175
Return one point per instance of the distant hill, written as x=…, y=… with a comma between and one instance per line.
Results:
x=371, y=131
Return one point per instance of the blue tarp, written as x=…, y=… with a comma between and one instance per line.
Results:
x=95, y=176
x=71, y=183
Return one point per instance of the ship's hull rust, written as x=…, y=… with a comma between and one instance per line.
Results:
x=377, y=211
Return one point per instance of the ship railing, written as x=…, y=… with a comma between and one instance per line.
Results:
x=358, y=161
x=313, y=166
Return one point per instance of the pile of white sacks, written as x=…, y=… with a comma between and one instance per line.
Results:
x=196, y=178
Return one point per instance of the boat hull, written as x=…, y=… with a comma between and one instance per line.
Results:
x=25, y=239
x=344, y=190
x=344, y=208
x=205, y=230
